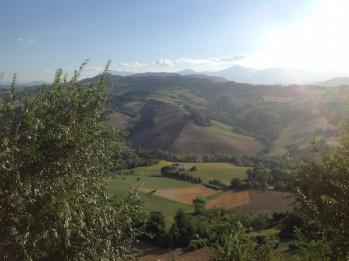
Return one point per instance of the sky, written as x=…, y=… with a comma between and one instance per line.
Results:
x=39, y=36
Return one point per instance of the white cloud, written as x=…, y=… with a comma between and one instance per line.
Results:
x=25, y=40
x=172, y=65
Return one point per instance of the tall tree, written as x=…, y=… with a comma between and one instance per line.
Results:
x=322, y=188
x=55, y=153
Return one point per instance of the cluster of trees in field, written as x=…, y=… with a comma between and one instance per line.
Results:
x=261, y=177
x=170, y=172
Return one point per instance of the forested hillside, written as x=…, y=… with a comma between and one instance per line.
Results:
x=190, y=115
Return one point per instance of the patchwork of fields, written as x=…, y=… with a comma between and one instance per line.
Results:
x=170, y=195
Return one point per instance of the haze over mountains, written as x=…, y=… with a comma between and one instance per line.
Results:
x=276, y=75
x=237, y=73
x=6, y=84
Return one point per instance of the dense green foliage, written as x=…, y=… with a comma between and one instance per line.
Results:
x=262, y=177
x=225, y=230
x=323, y=193
x=55, y=154
x=132, y=159
x=200, y=119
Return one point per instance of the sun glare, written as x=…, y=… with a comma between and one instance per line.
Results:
x=319, y=42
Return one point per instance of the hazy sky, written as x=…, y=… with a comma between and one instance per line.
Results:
x=39, y=36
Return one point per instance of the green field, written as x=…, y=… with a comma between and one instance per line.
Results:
x=206, y=171
x=122, y=184
x=145, y=182
x=167, y=207
x=149, y=178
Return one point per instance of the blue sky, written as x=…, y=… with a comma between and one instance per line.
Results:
x=40, y=36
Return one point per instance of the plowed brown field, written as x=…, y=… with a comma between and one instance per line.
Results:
x=230, y=200
x=185, y=195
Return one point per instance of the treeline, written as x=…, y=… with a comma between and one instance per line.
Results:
x=211, y=228
x=169, y=172
x=239, y=160
x=134, y=159
x=216, y=228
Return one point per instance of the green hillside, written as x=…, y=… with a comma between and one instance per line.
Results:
x=189, y=115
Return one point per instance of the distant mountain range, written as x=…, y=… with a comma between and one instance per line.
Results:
x=274, y=76
x=22, y=84
x=340, y=81
x=236, y=73
x=283, y=76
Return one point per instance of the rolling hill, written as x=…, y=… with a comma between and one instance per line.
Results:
x=187, y=114
x=191, y=115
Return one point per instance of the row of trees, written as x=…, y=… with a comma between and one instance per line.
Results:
x=169, y=172
x=141, y=154
x=132, y=159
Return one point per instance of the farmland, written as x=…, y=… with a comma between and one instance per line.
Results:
x=170, y=195
x=122, y=184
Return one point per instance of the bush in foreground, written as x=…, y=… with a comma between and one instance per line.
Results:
x=55, y=154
